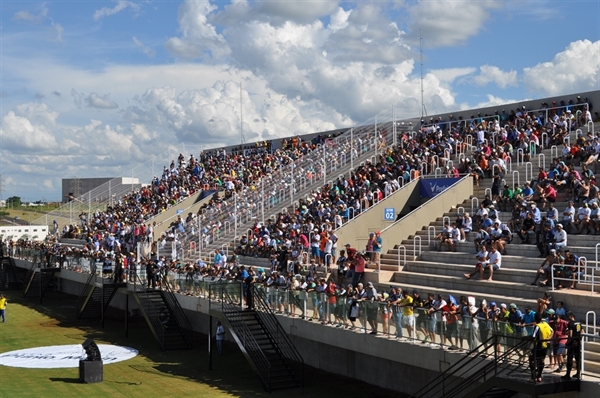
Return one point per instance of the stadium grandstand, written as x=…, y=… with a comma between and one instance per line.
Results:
x=446, y=233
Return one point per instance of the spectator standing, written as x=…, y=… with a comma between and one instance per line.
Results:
x=573, y=346
x=220, y=337
x=3, y=308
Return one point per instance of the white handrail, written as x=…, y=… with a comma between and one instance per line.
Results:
x=541, y=161
x=513, y=178
x=554, y=149
x=415, y=245
x=528, y=166
x=402, y=249
x=429, y=229
x=519, y=156
x=476, y=207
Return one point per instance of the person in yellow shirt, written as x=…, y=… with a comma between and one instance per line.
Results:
x=2, y=307
x=408, y=317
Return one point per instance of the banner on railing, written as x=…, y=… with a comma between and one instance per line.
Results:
x=431, y=187
x=206, y=193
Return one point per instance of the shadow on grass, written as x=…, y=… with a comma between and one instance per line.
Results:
x=65, y=380
x=231, y=372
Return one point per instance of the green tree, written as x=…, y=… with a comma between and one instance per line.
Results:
x=13, y=201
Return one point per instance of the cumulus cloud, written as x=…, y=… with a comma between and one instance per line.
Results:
x=493, y=74
x=120, y=6
x=199, y=36
x=149, y=51
x=447, y=22
x=29, y=127
x=575, y=69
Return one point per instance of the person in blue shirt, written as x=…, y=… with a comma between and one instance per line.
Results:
x=528, y=320
x=527, y=192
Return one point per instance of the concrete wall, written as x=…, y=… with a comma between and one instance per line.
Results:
x=428, y=212
x=356, y=231
x=384, y=362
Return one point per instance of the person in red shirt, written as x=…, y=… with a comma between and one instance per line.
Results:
x=559, y=341
x=547, y=195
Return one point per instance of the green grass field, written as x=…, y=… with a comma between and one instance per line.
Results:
x=153, y=373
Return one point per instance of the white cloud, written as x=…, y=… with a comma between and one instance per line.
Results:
x=574, y=69
x=120, y=6
x=149, y=51
x=100, y=101
x=449, y=75
x=447, y=22
x=493, y=74
x=198, y=34
x=29, y=127
x=58, y=30
x=297, y=11
x=32, y=17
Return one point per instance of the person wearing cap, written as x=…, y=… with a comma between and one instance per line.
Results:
x=515, y=319
x=560, y=237
x=372, y=306
x=437, y=317
x=573, y=346
x=541, y=335
x=573, y=268
x=554, y=259
x=559, y=340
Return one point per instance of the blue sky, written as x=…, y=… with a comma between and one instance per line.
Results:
x=93, y=88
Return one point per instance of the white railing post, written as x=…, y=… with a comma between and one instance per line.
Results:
x=401, y=251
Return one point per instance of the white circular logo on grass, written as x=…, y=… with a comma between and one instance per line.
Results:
x=63, y=356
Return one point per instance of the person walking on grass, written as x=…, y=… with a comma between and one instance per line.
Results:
x=3, y=308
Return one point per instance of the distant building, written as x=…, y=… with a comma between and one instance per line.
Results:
x=75, y=187
x=31, y=232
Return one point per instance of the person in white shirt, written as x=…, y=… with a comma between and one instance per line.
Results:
x=583, y=218
x=493, y=263
x=568, y=215
x=560, y=237
x=467, y=227
x=481, y=257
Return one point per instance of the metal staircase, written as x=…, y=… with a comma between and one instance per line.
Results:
x=483, y=374
x=264, y=343
x=96, y=296
x=39, y=280
x=10, y=277
x=164, y=315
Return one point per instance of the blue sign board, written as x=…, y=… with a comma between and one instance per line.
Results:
x=431, y=187
x=389, y=214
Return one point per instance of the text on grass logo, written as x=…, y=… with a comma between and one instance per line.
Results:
x=62, y=356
